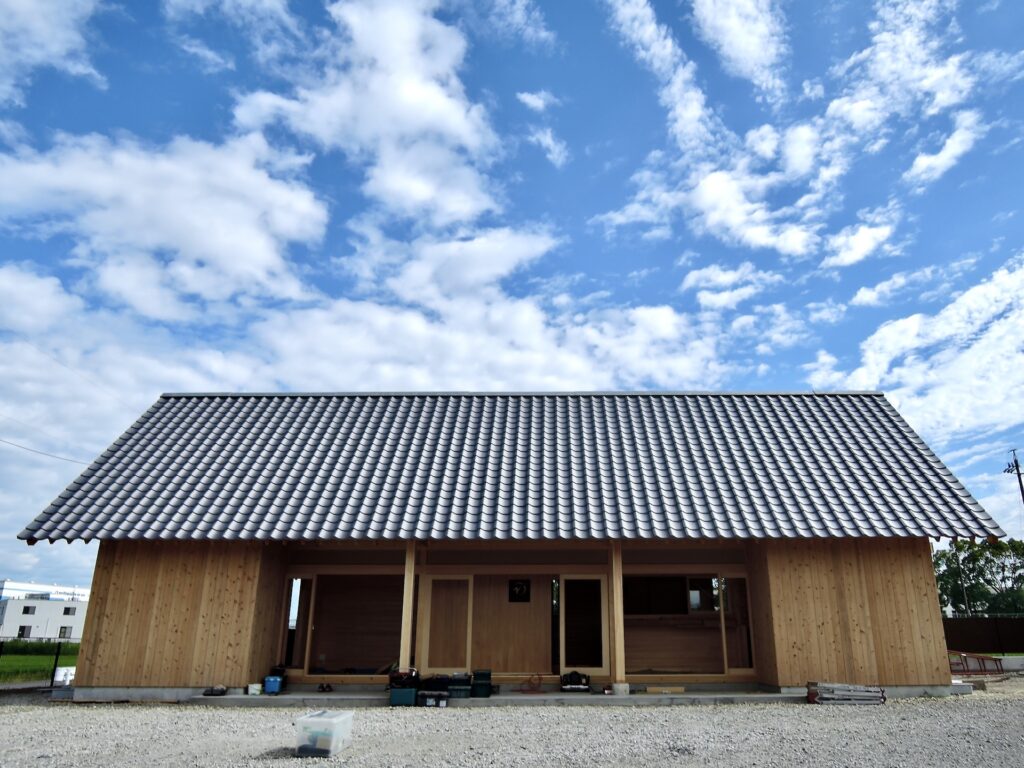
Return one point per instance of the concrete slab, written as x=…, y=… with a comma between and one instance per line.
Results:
x=345, y=700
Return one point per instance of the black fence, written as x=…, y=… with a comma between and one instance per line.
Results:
x=46, y=648
x=985, y=634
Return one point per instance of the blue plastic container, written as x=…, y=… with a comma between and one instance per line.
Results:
x=402, y=697
x=272, y=684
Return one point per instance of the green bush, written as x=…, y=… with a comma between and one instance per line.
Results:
x=38, y=648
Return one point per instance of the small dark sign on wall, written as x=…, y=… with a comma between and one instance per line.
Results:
x=519, y=590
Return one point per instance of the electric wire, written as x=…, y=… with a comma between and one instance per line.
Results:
x=43, y=453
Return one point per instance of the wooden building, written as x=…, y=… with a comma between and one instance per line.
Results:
x=642, y=537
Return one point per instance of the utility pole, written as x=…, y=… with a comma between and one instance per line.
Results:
x=1014, y=466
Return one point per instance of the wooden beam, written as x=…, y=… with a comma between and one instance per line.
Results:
x=405, y=649
x=617, y=635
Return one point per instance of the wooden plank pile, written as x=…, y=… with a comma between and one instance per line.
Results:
x=839, y=693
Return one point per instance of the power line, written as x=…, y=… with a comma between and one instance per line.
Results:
x=43, y=453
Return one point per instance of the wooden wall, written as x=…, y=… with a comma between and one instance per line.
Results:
x=181, y=614
x=674, y=645
x=862, y=611
x=509, y=637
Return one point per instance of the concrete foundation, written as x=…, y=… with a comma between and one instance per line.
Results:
x=346, y=697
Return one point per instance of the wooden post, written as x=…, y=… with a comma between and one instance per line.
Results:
x=617, y=657
x=405, y=649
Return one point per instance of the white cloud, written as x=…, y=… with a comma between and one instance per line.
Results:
x=904, y=64
x=724, y=288
x=856, y=242
x=998, y=65
x=391, y=99
x=538, y=101
x=827, y=311
x=727, y=205
x=750, y=38
x=30, y=302
x=812, y=90
x=691, y=123
x=763, y=141
x=800, y=149
x=968, y=129
x=44, y=33
x=555, y=150
x=948, y=373
x=900, y=282
x=218, y=218
x=209, y=60
x=519, y=18
x=271, y=29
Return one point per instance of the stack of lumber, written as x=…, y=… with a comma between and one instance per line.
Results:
x=839, y=693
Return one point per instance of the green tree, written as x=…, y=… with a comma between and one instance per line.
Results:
x=981, y=577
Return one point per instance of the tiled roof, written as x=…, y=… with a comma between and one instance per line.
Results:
x=515, y=466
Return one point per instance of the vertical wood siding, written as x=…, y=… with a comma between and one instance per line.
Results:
x=181, y=614
x=861, y=611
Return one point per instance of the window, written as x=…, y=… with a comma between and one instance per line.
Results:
x=654, y=595
x=70, y=611
x=65, y=632
x=28, y=610
x=703, y=594
x=24, y=631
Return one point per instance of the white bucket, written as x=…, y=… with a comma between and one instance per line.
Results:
x=255, y=689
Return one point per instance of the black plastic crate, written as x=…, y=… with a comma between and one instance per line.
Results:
x=459, y=691
x=481, y=690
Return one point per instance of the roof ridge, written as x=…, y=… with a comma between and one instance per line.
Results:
x=530, y=393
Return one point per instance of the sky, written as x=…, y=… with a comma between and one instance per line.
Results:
x=264, y=195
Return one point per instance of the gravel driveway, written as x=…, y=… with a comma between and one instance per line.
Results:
x=984, y=729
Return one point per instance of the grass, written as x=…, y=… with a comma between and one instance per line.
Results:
x=16, y=668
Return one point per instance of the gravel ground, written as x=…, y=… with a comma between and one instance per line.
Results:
x=984, y=729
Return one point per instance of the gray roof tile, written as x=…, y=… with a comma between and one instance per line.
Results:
x=515, y=466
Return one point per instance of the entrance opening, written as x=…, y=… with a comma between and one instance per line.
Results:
x=299, y=593
x=672, y=625
x=737, y=624
x=357, y=624
x=581, y=606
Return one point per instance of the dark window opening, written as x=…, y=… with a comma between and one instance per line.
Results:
x=581, y=606
x=654, y=595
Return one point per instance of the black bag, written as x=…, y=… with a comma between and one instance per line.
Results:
x=575, y=681
x=404, y=678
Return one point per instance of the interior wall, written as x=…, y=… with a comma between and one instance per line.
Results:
x=357, y=624
x=861, y=611
x=511, y=638
x=181, y=614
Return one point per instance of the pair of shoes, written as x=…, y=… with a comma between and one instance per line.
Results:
x=324, y=688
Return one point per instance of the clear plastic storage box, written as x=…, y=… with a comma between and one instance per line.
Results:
x=323, y=733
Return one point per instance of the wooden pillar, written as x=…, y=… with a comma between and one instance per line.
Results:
x=405, y=649
x=617, y=633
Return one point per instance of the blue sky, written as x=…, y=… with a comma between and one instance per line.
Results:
x=505, y=194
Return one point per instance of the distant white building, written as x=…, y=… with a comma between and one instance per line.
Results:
x=15, y=589
x=33, y=611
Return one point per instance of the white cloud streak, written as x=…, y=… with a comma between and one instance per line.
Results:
x=750, y=38
x=968, y=129
x=44, y=33
x=555, y=150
